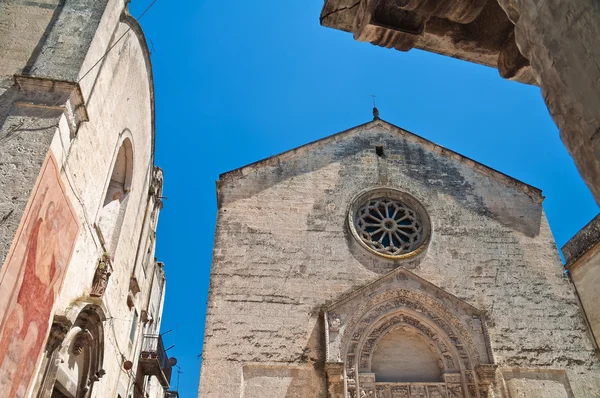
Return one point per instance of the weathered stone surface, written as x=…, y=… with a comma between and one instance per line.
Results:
x=283, y=253
x=473, y=30
x=49, y=110
x=582, y=254
x=549, y=43
x=584, y=240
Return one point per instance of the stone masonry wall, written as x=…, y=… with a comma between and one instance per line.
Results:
x=22, y=26
x=48, y=39
x=119, y=98
x=559, y=38
x=282, y=252
x=120, y=86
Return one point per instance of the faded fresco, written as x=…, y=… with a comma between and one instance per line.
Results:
x=32, y=278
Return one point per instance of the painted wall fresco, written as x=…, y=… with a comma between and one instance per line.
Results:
x=32, y=277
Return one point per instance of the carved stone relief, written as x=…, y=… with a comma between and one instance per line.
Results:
x=452, y=330
x=101, y=277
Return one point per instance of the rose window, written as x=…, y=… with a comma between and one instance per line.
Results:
x=389, y=222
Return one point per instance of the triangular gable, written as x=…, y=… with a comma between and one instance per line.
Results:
x=365, y=291
x=533, y=192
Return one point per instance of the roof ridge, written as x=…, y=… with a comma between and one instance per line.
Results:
x=530, y=190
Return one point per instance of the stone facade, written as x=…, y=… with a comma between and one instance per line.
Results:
x=81, y=295
x=298, y=307
x=583, y=265
x=550, y=43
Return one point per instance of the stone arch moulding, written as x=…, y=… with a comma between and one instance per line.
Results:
x=116, y=193
x=451, y=330
x=74, y=352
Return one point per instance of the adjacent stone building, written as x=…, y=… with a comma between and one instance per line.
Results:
x=551, y=43
x=583, y=265
x=81, y=295
x=374, y=263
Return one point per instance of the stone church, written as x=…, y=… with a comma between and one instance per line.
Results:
x=377, y=264
x=81, y=293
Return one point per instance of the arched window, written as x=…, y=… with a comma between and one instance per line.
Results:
x=116, y=198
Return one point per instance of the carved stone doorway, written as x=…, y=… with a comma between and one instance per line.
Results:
x=74, y=355
x=402, y=337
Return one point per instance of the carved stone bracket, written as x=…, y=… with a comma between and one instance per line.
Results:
x=93, y=378
x=134, y=286
x=400, y=23
x=134, y=289
x=130, y=301
x=103, y=272
x=58, y=331
x=486, y=373
x=83, y=338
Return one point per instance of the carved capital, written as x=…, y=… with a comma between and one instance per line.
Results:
x=486, y=373
x=334, y=369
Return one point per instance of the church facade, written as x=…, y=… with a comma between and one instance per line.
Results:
x=81, y=294
x=374, y=263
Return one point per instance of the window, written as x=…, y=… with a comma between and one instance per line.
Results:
x=115, y=201
x=133, y=326
x=389, y=226
x=389, y=222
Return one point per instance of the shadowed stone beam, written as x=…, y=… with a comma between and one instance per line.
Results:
x=550, y=43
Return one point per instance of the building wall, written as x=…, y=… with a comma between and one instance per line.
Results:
x=282, y=252
x=586, y=278
x=583, y=265
x=48, y=39
x=62, y=41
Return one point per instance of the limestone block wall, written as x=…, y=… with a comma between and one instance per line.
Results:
x=282, y=253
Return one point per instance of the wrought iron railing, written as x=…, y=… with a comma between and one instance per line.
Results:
x=153, y=349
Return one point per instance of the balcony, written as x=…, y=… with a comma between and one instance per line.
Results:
x=154, y=360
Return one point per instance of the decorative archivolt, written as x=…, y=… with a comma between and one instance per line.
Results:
x=75, y=348
x=450, y=355
x=429, y=308
x=453, y=330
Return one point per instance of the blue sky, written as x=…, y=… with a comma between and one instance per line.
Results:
x=240, y=81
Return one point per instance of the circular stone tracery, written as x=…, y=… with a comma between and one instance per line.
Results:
x=389, y=222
